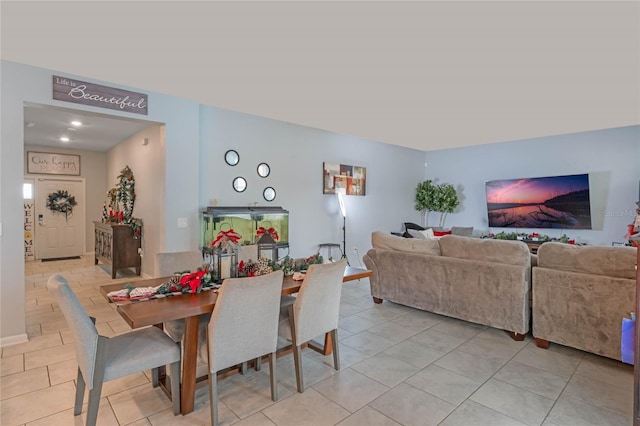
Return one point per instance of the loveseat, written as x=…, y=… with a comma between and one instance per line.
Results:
x=581, y=294
x=481, y=281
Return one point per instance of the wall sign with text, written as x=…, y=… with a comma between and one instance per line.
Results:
x=53, y=164
x=97, y=95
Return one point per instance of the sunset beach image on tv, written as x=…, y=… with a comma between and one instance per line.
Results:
x=545, y=202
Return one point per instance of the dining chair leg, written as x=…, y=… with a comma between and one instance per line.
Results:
x=258, y=363
x=272, y=376
x=213, y=397
x=77, y=408
x=297, y=355
x=94, y=403
x=336, y=353
x=175, y=387
x=98, y=379
x=243, y=368
x=155, y=377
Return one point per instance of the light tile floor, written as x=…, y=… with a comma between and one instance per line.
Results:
x=399, y=366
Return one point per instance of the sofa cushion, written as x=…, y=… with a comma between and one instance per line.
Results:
x=382, y=240
x=488, y=250
x=616, y=262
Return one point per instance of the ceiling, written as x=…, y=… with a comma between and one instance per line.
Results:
x=45, y=125
x=422, y=74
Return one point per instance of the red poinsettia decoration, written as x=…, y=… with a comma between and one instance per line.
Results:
x=270, y=231
x=193, y=280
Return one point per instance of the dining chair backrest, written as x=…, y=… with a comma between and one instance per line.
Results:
x=244, y=322
x=84, y=332
x=317, y=308
x=169, y=263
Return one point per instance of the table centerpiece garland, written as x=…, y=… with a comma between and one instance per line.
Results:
x=180, y=283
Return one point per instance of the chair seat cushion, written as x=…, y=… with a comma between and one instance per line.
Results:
x=175, y=329
x=139, y=350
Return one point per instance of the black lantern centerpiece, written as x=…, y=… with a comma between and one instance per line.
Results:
x=267, y=243
x=224, y=255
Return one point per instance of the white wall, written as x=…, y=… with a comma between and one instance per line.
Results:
x=147, y=162
x=94, y=169
x=609, y=156
x=295, y=154
x=22, y=83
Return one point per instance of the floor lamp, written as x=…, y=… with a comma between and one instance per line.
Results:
x=343, y=211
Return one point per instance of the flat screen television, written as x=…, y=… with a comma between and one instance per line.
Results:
x=544, y=202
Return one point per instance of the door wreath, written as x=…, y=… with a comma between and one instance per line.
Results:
x=62, y=202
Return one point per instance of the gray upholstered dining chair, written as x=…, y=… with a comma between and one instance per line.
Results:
x=101, y=358
x=168, y=264
x=243, y=326
x=314, y=312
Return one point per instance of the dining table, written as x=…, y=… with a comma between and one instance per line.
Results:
x=189, y=306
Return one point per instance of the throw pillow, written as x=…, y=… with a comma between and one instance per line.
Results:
x=427, y=234
x=441, y=233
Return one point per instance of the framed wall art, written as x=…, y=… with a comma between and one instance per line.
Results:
x=349, y=180
x=50, y=163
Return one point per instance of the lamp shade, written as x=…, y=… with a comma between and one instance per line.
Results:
x=343, y=210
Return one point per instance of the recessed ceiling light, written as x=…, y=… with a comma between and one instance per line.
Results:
x=76, y=123
x=64, y=139
x=71, y=129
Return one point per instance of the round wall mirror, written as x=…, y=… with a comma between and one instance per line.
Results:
x=239, y=184
x=263, y=170
x=231, y=157
x=269, y=193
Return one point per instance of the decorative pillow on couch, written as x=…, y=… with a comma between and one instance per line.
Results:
x=441, y=233
x=427, y=234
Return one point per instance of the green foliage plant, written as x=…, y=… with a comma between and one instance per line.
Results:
x=441, y=198
x=425, y=199
x=446, y=200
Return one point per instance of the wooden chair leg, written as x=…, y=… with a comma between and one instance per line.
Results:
x=155, y=377
x=77, y=408
x=297, y=360
x=272, y=376
x=94, y=403
x=336, y=353
x=213, y=398
x=175, y=387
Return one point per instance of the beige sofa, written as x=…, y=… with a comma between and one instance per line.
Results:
x=581, y=294
x=482, y=281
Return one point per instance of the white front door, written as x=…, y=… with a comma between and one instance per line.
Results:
x=58, y=234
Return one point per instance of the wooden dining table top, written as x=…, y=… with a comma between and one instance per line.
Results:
x=156, y=311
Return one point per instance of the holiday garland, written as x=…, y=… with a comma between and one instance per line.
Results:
x=121, y=199
x=61, y=201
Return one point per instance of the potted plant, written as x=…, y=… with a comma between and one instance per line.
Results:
x=445, y=201
x=425, y=198
x=441, y=198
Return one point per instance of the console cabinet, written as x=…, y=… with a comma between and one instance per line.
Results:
x=115, y=246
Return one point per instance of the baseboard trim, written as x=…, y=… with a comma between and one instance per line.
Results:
x=13, y=340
